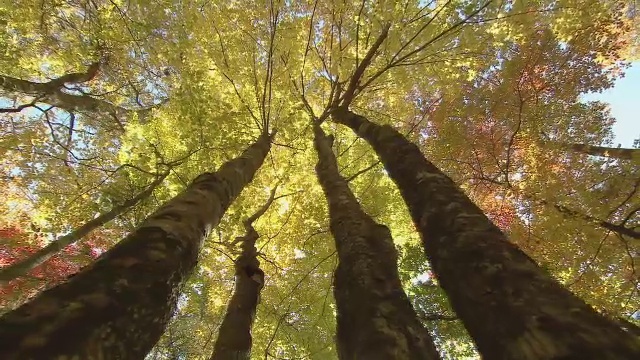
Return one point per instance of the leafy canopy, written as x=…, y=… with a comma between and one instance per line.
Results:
x=489, y=90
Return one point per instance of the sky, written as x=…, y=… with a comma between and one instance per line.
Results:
x=624, y=100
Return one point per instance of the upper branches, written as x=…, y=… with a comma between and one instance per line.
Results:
x=246, y=57
x=390, y=41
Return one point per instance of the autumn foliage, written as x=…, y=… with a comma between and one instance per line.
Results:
x=98, y=99
x=22, y=243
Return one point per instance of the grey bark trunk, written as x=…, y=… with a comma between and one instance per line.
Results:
x=375, y=319
x=510, y=306
x=234, y=338
x=118, y=307
x=22, y=267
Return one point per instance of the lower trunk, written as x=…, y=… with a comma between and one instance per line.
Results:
x=118, y=307
x=375, y=318
x=509, y=305
x=22, y=267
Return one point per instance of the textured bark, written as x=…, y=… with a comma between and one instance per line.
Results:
x=234, y=338
x=375, y=319
x=118, y=307
x=509, y=305
x=22, y=267
x=51, y=93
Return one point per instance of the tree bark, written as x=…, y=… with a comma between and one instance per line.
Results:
x=22, y=267
x=509, y=305
x=234, y=338
x=375, y=319
x=118, y=307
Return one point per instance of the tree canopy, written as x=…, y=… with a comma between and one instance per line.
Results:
x=102, y=101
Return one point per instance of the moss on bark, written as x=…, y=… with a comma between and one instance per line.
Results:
x=118, y=307
x=511, y=307
x=375, y=319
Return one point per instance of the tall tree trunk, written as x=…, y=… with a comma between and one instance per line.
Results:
x=375, y=318
x=22, y=267
x=511, y=307
x=234, y=338
x=118, y=307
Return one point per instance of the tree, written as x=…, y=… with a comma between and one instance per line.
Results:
x=451, y=76
x=464, y=247
x=374, y=317
x=234, y=337
x=114, y=311
x=60, y=266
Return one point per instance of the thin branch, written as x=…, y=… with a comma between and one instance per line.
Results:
x=360, y=69
x=400, y=59
x=363, y=171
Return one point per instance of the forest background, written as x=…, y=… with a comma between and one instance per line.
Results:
x=158, y=92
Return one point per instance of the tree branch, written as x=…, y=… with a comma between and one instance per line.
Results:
x=22, y=267
x=366, y=61
x=363, y=171
x=52, y=93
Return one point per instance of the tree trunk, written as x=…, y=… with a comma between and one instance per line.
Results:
x=118, y=307
x=234, y=338
x=509, y=305
x=375, y=319
x=22, y=267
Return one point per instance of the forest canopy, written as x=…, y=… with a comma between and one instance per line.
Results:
x=110, y=109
